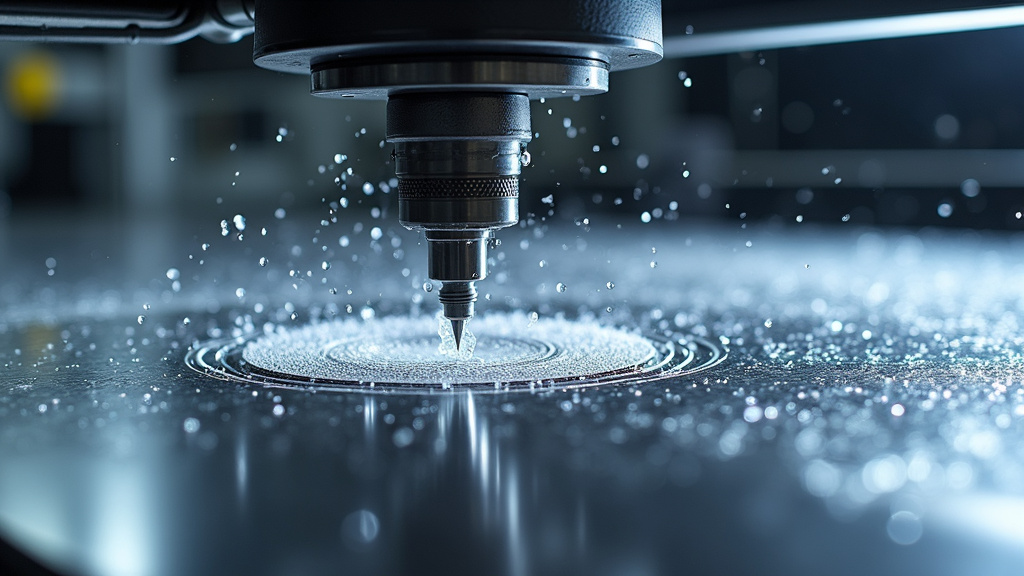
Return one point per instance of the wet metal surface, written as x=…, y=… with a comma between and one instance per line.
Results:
x=868, y=418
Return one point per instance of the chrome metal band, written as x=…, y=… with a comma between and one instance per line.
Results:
x=457, y=256
x=536, y=76
x=465, y=158
x=458, y=213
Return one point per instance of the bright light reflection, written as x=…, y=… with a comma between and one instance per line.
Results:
x=698, y=44
x=122, y=537
x=991, y=516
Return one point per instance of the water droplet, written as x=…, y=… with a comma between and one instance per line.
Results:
x=141, y=319
x=945, y=210
x=609, y=285
x=643, y=161
x=325, y=265
x=343, y=241
x=367, y=188
x=768, y=323
x=240, y=292
x=279, y=213
x=428, y=287
x=191, y=425
x=645, y=217
x=278, y=410
x=561, y=287
x=173, y=158
x=362, y=526
x=947, y=127
x=752, y=414
x=173, y=274
x=376, y=233
x=186, y=320
x=239, y=222
x=402, y=437
x=846, y=217
x=263, y=261
x=904, y=528
x=970, y=188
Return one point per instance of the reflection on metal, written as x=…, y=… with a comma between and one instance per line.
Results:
x=493, y=476
x=698, y=44
x=122, y=541
x=369, y=417
x=991, y=516
x=242, y=467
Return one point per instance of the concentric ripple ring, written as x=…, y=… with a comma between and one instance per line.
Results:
x=402, y=354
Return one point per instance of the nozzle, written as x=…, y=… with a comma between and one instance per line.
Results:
x=458, y=157
x=458, y=327
x=457, y=302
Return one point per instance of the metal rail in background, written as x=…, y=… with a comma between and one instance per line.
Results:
x=724, y=26
x=692, y=27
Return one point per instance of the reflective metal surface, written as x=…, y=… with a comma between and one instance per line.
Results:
x=868, y=419
x=538, y=77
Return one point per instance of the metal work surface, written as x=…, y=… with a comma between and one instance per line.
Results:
x=867, y=419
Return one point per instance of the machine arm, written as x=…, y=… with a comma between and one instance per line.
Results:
x=125, y=21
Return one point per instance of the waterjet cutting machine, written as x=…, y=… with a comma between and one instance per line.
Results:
x=458, y=76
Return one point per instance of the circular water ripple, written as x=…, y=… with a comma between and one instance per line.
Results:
x=402, y=354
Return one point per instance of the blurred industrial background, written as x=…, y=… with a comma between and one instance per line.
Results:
x=913, y=132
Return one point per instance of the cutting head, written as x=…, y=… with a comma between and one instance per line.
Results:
x=458, y=77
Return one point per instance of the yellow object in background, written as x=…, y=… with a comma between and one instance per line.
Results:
x=32, y=84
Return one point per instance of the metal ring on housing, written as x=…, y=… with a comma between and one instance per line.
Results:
x=466, y=158
x=537, y=77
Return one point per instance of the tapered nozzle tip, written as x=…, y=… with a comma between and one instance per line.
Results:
x=457, y=299
x=458, y=328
